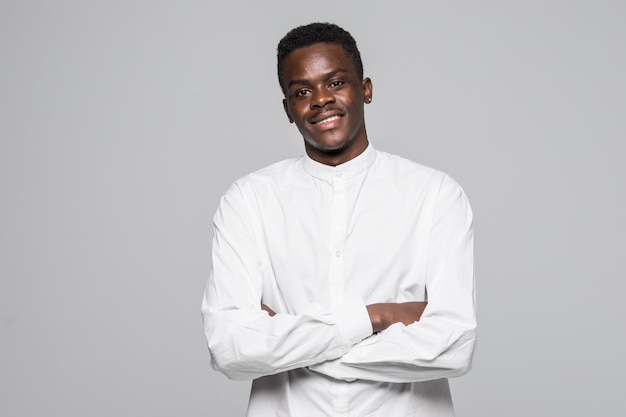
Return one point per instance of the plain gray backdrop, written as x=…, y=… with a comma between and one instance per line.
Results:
x=123, y=122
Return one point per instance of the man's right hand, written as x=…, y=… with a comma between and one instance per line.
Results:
x=383, y=315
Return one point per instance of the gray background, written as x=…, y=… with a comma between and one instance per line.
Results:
x=122, y=123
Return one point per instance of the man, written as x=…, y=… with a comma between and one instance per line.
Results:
x=342, y=281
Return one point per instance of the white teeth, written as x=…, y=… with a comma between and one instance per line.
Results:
x=328, y=119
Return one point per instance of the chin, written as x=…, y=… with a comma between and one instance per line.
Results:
x=329, y=149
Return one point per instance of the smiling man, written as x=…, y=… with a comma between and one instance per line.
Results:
x=342, y=281
x=324, y=95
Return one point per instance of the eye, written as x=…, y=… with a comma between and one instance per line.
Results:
x=301, y=93
x=336, y=83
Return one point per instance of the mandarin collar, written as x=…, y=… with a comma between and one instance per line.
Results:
x=348, y=169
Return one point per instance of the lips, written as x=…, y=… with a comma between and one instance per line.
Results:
x=326, y=121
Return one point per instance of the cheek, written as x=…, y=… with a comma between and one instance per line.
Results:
x=298, y=110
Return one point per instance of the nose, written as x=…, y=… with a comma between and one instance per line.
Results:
x=321, y=97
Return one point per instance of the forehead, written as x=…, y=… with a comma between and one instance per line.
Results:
x=315, y=60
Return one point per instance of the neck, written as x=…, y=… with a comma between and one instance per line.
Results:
x=334, y=157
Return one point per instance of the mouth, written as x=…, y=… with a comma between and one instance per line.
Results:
x=327, y=121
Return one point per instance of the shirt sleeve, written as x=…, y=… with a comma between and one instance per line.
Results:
x=243, y=340
x=441, y=344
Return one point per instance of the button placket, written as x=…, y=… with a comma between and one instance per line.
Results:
x=337, y=240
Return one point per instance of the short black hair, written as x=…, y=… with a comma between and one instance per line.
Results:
x=313, y=33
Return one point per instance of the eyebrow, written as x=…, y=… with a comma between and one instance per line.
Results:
x=326, y=77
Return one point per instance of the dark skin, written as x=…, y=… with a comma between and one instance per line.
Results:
x=325, y=98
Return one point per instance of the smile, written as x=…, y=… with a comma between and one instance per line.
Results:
x=327, y=120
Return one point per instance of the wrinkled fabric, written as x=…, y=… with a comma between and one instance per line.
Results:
x=317, y=244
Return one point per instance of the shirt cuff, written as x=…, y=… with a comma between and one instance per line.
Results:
x=354, y=321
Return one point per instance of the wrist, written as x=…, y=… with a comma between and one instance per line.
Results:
x=378, y=318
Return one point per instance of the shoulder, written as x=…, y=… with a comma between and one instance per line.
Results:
x=396, y=162
x=244, y=193
x=265, y=178
x=404, y=170
x=414, y=178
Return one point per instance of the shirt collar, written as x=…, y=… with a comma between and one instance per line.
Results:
x=348, y=169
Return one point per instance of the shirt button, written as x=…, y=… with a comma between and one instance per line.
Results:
x=338, y=253
x=338, y=175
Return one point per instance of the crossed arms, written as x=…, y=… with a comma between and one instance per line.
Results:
x=383, y=315
x=390, y=342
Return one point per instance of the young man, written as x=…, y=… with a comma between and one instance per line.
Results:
x=342, y=281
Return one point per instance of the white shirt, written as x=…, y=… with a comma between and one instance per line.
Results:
x=317, y=244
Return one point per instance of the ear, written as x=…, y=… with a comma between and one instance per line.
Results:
x=367, y=90
x=287, y=110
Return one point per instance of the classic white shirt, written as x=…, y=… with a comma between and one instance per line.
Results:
x=317, y=244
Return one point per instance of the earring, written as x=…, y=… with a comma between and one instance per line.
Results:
x=368, y=100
